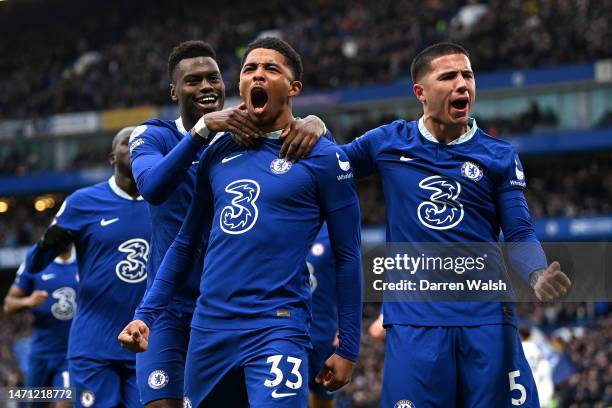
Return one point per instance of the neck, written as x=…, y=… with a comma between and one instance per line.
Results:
x=188, y=123
x=442, y=132
x=65, y=256
x=126, y=183
x=280, y=122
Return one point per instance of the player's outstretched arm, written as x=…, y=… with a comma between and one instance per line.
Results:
x=157, y=175
x=54, y=242
x=336, y=373
x=550, y=285
x=17, y=300
x=135, y=336
x=300, y=136
x=179, y=258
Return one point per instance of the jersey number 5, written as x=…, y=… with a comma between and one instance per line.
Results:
x=512, y=375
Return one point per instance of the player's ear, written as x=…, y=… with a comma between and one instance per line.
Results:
x=296, y=88
x=173, y=93
x=419, y=92
x=111, y=158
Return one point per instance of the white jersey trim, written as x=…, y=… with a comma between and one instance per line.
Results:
x=461, y=139
x=180, y=126
x=117, y=190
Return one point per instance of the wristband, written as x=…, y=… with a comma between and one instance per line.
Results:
x=202, y=131
x=534, y=277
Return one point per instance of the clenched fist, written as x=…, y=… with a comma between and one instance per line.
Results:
x=135, y=336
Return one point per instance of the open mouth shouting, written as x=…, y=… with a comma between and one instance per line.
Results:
x=460, y=106
x=259, y=100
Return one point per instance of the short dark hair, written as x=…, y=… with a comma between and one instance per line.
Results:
x=421, y=64
x=188, y=49
x=292, y=58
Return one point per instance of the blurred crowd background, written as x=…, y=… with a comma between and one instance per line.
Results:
x=96, y=56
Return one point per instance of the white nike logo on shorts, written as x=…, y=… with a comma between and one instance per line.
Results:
x=276, y=394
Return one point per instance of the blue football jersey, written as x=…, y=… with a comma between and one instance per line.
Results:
x=111, y=235
x=53, y=318
x=147, y=142
x=262, y=201
x=438, y=192
x=322, y=270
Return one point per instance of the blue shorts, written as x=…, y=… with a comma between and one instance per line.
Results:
x=47, y=371
x=265, y=367
x=104, y=383
x=321, y=351
x=160, y=370
x=480, y=366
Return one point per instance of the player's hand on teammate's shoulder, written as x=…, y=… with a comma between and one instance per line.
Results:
x=235, y=120
x=336, y=373
x=552, y=284
x=135, y=336
x=300, y=136
x=37, y=298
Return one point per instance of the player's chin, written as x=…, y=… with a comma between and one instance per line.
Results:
x=259, y=116
x=459, y=118
x=203, y=109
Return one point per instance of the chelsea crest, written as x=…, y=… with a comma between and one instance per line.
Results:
x=472, y=171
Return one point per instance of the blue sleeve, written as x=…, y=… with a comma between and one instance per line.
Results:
x=524, y=249
x=512, y=176
x=525, y=252
x=24, y=280
x=179, y=258
x=345, y=239
x=340, y=208
x=361, y=153
x=157, y=175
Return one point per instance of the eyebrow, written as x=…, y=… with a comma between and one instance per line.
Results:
x=265, y=64
x=464, y=71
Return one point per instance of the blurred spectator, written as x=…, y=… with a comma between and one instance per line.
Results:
x=23, y=225
x=531, y=119
x=570, y=188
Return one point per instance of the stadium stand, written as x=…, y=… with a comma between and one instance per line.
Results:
x=119, y=60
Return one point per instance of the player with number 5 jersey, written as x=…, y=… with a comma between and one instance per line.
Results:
x=109, y=226
x=445, y=180
x=249, y=340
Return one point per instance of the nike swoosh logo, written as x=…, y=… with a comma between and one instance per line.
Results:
x=104, y=222
x=405, y=158
x=226, y=159
x=48, y=276
x=195, y=162
x=276, y=394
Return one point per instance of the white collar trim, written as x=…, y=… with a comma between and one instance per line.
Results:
x=117, y=190
x=180, y=126
x=273, y=135
x=461, y=139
